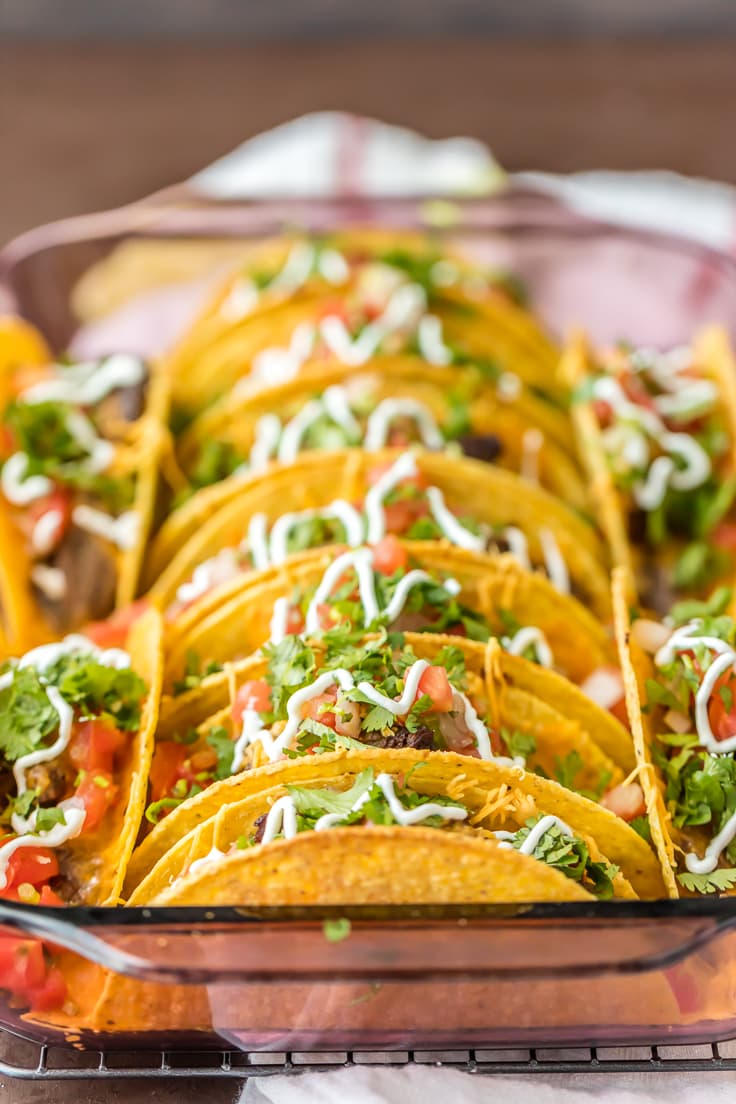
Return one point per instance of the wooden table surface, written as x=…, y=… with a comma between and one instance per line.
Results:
x=90, y=125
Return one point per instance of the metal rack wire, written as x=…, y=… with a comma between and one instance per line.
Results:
x=42, y=1063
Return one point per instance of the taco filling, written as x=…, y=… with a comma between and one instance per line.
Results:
x=68, y=713
x=667, y=443
x=68, y=481
x=399, y=502
x=375, y=693
x=690, y=708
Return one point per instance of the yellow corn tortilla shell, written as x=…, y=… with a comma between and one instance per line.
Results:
x=501, y=808
x=200, y=529
x=467, y=780
x=377, y=864
x=636, y=668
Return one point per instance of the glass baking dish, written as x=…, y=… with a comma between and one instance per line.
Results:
x=433, y=977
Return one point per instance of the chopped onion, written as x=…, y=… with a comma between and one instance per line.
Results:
x=677, y=721
x=604, y=686
x=650, y=635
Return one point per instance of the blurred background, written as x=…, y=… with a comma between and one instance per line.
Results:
x=103, y=101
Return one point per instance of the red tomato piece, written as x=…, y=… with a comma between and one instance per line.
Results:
x=94, y=745
x=603, y=412
x=49, y=898
x=254, y=694
x=168, y=759
x=313, y=709
x=389, y=556
x=34, y=865
x=722, y=707
x=635, y=390
x=98, y=792
x=437, y=686
x=22, y=964
x=113, y=631
x=294, y=621
x=50, y=994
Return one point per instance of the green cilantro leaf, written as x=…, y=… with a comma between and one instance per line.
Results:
x=47, y=818
x=336, y=930
x=716, y=882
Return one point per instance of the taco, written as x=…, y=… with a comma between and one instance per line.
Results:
x=77, y=490
x=354, y=303
x=495, y=795
x=351, y=833
x=419, y=587
x=658, y=433
x=680, y=679
x=77, y=727
x=353, y=496
x=394, y=402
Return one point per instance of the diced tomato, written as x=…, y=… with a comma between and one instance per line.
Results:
x=294, y=621
x=254, y=694
x=166, y=765
x=50, y=994
x=313, y=709
x=94, y=745
x=401, y=515
x=626, y=801
x=603, y=412
x=33, y=865
x=113, y=631
x=724, y=536
x=97, y=791
x=327, y=615
x=435, y=683
x=389, y=555
x=49, y=898
x=22, y=964
x=722, y=707
x=334, y=308
x=635, y=390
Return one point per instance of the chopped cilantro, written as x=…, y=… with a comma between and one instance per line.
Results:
x=195, y=672
x=718, y=881
x=47, y=818
x=520, y=745
x=713, y=606
x=216, y=461
x=571, y=857
x=219, y=738
x=642, y=827
x=336, y=930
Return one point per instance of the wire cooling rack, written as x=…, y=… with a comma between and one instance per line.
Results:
x=33, y=1062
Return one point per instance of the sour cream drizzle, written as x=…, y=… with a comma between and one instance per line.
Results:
x=276, y=550
x=539, y=830
x=361, y=561
x=380, y=421
x=530, y=637
x=122, y=531
x=88, y=383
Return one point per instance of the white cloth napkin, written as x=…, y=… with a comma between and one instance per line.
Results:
x=331, y=153
x=421, y=1085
